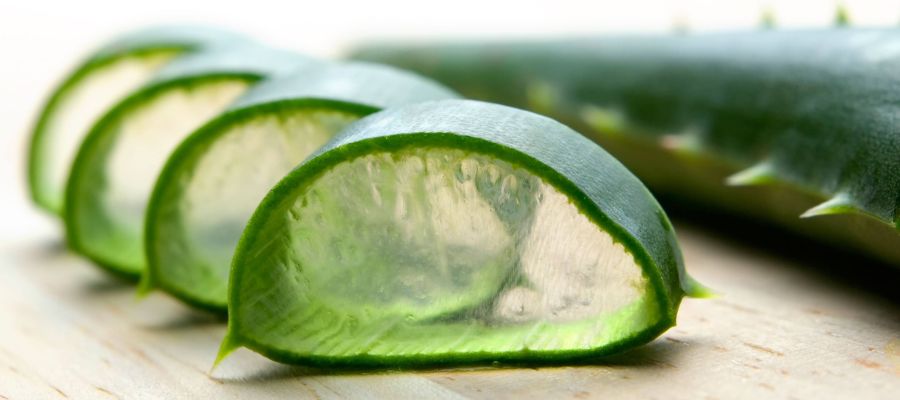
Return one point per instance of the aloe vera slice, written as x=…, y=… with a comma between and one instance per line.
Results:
x=119, y=160
x=214, y=180
x=93, y=87
x=775, y=125
x=454, y=231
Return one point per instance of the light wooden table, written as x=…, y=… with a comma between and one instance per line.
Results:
x=779, y=329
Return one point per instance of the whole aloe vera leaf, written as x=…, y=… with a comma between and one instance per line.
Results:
x=772, y=124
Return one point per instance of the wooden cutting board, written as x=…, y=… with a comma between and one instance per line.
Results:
x=781, y=328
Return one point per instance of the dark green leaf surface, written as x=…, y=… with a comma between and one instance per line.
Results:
x=808, y=116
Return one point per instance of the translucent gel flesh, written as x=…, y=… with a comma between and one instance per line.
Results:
x=217, y=187
x=79, y=107
x=121, y=175
x=437, y=251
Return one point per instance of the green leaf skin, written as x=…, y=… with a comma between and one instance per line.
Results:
x=50, y=151
x=391, y=289
x=214, y=180
x=815, y=108
x=115, y=168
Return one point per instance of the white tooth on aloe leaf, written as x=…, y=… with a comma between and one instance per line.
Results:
x=841, y=203
x=762, y=173
x=688, y=141
x=454, y=231
x=216, y=177
x=107, y=76
x=542, y=97
x=119, y=160
x=604, y=120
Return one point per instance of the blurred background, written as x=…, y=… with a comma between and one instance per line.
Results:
x=41, y=40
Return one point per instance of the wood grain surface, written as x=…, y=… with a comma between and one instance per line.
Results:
x=780, y=328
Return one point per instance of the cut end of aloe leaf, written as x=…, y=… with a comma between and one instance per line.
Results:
x=191, y=232
x=425, y=247
x=71, y=111
x=119, y=161
x=439, y=244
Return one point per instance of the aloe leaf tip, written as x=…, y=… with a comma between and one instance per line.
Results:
x=229, y=344
x=694, y=289
x=145, y=287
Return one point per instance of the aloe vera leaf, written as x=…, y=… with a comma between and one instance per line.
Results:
x=817, y=107
x=215, y=178
x=119, y=160
x=380, y=250
x=105, y=77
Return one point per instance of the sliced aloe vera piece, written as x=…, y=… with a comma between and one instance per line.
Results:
x=119, y=160
x=214, y=180
x=97, y=84
x=454, y=231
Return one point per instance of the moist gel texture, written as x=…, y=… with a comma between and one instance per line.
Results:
x=118, y=163
x=257, y=152
x=214, y=180
x=426, y=250
x=78, y=106
x=454, y=231
x=113, y=71
x=118, y=171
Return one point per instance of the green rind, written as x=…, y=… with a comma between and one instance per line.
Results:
x=243, y=62
x=356, y=88
x=191, y=37
x=243, y=58
x=233, y=342
x=146, y=41
x=567, y=161
x=372, y=85
x=817, y=106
